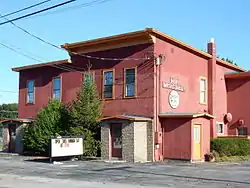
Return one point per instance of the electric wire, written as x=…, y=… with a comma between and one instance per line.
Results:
x=26, y=8
x=37, y=12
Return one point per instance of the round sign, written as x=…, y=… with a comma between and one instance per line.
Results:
x=174, y=99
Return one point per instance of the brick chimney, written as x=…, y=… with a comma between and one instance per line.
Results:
x=211, y=48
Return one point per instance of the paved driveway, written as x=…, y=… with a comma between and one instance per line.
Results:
x=17, y=171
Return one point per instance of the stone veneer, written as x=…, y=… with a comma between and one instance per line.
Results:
x=127, y=140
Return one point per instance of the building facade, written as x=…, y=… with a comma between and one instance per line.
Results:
x=163, y=99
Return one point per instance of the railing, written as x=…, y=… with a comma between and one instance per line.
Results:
x=234, y=136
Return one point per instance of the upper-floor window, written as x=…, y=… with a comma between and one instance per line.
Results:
x=108, y=84
x=203, y=90
x=30, y=91
x=57, y=88
x=89, y=77
x=130, y=84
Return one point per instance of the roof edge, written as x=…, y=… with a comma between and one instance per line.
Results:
x=52, y=63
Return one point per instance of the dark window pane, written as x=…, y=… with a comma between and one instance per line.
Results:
x=130, y=83
x=108, y=84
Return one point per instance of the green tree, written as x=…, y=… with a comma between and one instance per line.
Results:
x=85, y=112
x=8, y=111
x=52, y=120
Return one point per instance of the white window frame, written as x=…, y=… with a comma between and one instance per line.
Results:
x=223, y=128
x=203, y=91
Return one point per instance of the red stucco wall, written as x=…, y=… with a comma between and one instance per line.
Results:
x=188, y=68
x=176, y=138
x=238, y=103
x=71, y=82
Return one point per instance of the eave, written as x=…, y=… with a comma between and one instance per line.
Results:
x=53, y=63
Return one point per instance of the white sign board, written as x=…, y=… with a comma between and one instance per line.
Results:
x=61, y=147
x=174, y=99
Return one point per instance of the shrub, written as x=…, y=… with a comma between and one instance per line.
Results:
x=51, y=121
x=90, y=144
x=231, y=146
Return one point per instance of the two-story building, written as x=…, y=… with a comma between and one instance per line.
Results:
x=163, y=99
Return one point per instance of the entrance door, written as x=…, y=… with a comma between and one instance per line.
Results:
x=116, y=139
x=197, y=141
x=12, y=134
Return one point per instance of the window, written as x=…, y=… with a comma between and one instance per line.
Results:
x=30, y=93
x=130, y=82
x=108, y=88
x=242, y=131
x=89, y=77
x=220, y=128
x=57, y=88
x=203, y=90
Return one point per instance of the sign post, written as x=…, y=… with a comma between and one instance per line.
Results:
x=65, y=146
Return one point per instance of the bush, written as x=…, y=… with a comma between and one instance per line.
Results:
x=51, y=121
x=231, y=146
x=90, y=144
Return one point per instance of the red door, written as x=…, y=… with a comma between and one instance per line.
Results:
x=116, y=139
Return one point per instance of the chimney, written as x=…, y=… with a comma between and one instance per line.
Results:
x=211, y=48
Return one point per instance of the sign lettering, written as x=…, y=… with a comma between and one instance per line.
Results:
x=173, y=84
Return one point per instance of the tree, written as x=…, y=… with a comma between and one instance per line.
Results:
x=52, y=120
x=8, y=111
x=85, y=112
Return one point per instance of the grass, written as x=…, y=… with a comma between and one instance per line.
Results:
x=233, y=158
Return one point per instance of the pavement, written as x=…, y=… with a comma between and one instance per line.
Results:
x=19, y=171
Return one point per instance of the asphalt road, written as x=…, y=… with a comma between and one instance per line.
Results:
x=18, y=172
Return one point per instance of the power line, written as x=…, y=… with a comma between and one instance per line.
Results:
x=4, y=91
x=74, y=7
x=26, y=8
x=35, y=59
x=37, y=12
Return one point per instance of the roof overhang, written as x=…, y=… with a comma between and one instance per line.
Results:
x=17, y=120
x=126, y=117
x=186, y=115
x=237, y=75
x=53, y=63
x=147, y=35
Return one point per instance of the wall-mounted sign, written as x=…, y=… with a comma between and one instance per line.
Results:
x=173, y=84
x=174, y=99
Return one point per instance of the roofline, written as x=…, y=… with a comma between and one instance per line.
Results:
x=186, y=115
x=238, y=75
x=18, y=69
x=121, y=117
x=152, y=33
x=16, y=120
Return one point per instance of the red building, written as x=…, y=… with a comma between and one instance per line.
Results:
x=163, y=99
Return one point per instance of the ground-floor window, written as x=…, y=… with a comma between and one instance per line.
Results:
x=219, y=128
x=242, y=131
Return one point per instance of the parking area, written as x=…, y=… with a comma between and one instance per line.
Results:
x=16, y=170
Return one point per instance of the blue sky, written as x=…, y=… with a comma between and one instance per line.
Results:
x=193, y=22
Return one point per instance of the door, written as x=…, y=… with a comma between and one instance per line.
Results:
x=197, y=141
x=116, y=139
x=12, y=136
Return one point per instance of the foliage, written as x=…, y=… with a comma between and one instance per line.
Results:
x=231, y=146
x=228, y=60
x=8, y=111
x=85, y=112
x=51, y=121
x=90, y=144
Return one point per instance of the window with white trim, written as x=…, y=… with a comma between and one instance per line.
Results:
x=203, y=90
x=242, y=131
x=219, y=128
x=30, y=91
